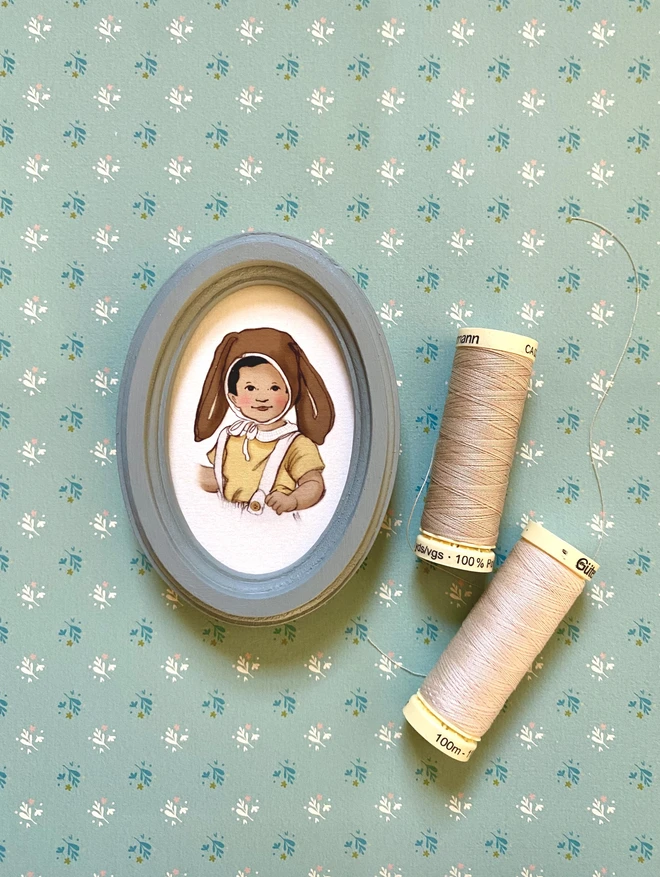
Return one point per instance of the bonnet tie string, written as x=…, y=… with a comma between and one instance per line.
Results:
x=247, y=428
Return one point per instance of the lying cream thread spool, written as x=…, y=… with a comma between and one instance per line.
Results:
x=496, y=644
x=475, y=449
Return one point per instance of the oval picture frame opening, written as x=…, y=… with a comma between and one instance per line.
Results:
x=258, y=429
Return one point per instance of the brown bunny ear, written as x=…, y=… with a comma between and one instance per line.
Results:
x=213, y=405
x=314, y=408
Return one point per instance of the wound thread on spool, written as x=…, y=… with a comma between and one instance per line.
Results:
x=498, y=641
x=475, y=448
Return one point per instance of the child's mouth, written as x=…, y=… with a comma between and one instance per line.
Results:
x=262, y=407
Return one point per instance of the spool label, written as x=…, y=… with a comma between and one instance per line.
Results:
x=495, y=339
x=562, y=551
x=435, y=551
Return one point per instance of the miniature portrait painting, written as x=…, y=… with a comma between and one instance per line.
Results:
x=260, y=462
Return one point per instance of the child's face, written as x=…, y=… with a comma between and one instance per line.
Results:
x=261, y=393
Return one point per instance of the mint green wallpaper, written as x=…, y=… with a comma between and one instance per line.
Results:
x=436, y=150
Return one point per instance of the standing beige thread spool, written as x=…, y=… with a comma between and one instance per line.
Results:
x=475, y=449
x=496, y=644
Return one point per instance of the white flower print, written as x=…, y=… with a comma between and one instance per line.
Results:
x=103, y=524
x=318, y=665
x=177, y=169
x=34, y=236
x=531, y=241
x=320, y=170
x=320, y=30
x=459, y=242
x=389, y=242
x=318, y=736
x=532, y=173
x=102, y=738
x=35, y=167
x=321, y=99
x=101, y=811
x=599, y=243
x=530, y=807
x=30, y=595
x=177, y=238
x=391, y=99
x=31, y=308
x=102, y=594
x=174, y=667
x=174, y=738
x=460, y=100
x=36, y=96
x=459, y=806
x=249, y=29
x=389, y=171
x=31, y=450
x=105, y=238
x=108, y=28
x=28, y=812
x=31, y=523
x=601, y=736
x=246, y=737
x=317, y=807
x=29, y=738
x=601, y=32
x=107, y=96
x=388, y=806
x=600, y=101
x=178, y=29
x=600, y=666
x=529, y=735
x=102, y=667
x=103, y=451
x=460, y=172
x=37, y=27
x=106, y=168
x=248, y=170
x=460, y=31
x=174, y=809
x=321, y=239
x=250, y=98
x=390, y=31
x=178, y=96
x=388, y=734
x=531, y=101
x=601, y=809
x=600, y=173
x=531, y=32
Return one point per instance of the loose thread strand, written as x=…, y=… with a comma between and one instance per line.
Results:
x=609, y=384
x=396, y=663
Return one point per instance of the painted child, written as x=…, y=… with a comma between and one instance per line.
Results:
x=262, y=460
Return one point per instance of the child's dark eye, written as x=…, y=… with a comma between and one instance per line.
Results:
x=250, y=388
x=275, y=388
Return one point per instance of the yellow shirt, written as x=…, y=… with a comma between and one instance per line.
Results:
x=241, y=477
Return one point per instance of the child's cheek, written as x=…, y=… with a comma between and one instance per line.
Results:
x=244, y=401
x=280, y=401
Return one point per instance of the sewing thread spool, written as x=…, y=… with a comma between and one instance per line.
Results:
x=475, y=449
x=495, y=646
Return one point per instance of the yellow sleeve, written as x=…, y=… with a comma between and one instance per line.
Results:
x=303, y=456
x=211, y=455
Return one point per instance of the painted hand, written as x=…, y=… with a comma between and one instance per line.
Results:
x=280, y=502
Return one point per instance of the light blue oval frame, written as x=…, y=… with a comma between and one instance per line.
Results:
x=142, y=418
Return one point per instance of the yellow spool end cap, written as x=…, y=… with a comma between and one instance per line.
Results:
x=436, y=731
x=562, y=551
x=452, y=554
